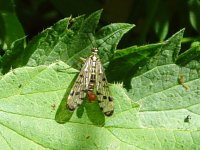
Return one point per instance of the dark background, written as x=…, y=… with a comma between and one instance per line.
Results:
x=155, y=20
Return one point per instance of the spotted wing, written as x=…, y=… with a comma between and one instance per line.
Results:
x=79, y=89
x=104, y=97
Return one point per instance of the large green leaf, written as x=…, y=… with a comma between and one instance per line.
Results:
x=28, y=103
x=68, y=40
x=160, y=72
x=166, y=115
x=159, y=111
x=169, y=96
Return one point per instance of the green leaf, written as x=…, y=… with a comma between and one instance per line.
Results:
x=167, y=54
x=129, y=60
x=135, y=60
x=12, y=58
x=190, y=57
x=68, y=40
x=28, y=103
x=161, y=28
x=194, y=14
x=166, y=115
x=10, y=28
x=161, y=24
x=160, y=110
x=76, y=41
x=166, y=100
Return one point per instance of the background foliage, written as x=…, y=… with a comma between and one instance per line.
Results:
x=155, y=20
x=156, y=107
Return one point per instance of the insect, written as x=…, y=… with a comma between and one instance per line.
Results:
x=187, y=119
x=53, y=106
x=91, y=82
x=181, y=81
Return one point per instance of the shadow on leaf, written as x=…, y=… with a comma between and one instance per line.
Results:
x=92, y=109
x=63, y=114
x=94, y=113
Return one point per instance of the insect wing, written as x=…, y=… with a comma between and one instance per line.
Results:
x=103, y=93
x=79, y=89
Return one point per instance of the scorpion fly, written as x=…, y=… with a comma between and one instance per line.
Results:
x=91, y=82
